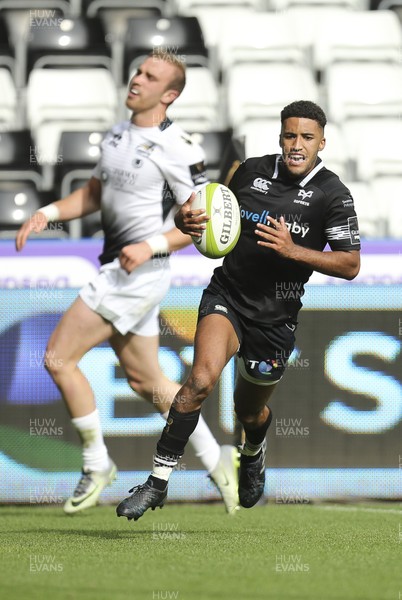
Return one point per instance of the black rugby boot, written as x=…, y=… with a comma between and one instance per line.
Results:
x=251, y=477
x=144, y=496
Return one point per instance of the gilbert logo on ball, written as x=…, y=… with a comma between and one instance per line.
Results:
x=223, y=229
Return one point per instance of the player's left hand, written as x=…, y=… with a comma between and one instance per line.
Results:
x=276, y=236
x=191, y=221
x=134, y=255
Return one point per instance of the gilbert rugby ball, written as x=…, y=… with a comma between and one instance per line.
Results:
x=223, y=229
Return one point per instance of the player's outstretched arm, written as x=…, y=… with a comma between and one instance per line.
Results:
x=81, y=202
x=134, y=255
x=337, y=263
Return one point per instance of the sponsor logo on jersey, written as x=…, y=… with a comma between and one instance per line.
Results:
x=261, y=185
x=145, y=149
x=221, y=308
x=249, y=215
x=348, y=202
x=198, y=173
x=123, y=180
x=348, y=232
x=293, y=226
x=353, y=230
x=115, y=140
x=298, y=228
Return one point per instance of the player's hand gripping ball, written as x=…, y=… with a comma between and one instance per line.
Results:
x=223, y=229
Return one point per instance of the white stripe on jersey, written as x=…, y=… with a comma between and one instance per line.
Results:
x=310, y=175
x=341, y=232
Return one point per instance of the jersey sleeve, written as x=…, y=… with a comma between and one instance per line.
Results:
x=115, y=131
x=96, y=172
x=185, y=170
x=341, y=225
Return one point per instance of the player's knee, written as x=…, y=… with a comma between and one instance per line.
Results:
x=54, y=364
x=248, y=416
x=143, y=388
x=201, y=383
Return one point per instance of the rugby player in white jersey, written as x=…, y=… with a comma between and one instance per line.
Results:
x=148, y=167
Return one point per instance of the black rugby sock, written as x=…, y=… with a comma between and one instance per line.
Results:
x=255, y=438
x=179, y=426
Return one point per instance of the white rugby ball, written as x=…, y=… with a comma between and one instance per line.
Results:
x=223, y=229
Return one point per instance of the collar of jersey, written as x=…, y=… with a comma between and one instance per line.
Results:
x=302, y=182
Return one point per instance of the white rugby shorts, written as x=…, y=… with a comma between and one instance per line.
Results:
x=129, y=300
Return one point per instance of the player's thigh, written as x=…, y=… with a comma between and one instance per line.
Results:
x=215, y=343
x=138, y=356
x=261, y=364
x=250, y=398
x=79, y=330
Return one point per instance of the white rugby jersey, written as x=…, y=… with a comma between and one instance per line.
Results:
x=145, y=173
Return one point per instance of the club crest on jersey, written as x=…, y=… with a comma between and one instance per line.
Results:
x=303, y=195
x=146, y=149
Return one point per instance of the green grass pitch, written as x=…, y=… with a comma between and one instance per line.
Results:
x=197, y=552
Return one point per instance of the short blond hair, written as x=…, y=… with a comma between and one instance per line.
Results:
x=179, y=80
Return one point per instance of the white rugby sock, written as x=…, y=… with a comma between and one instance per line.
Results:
x=250, y=449
x=94, y=451
x=205, y=445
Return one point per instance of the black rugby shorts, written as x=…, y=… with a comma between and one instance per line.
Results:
x=264, y=349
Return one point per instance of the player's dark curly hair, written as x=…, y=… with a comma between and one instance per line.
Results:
x=304, y=109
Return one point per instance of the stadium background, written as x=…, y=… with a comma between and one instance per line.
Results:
x=337, y=413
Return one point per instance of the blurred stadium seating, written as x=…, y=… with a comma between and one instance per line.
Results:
x=387, y=193
x=7, y=51
x=68, y=42
x=79, y=152
x=180, y=35
x=198, y=105
x=221, y=150
x=18, y=201
x=261, y=90
x=95, y=7
x=64, y=67
x=39, y=10
x=18, y=160
x=8, y=100
x=67, y=100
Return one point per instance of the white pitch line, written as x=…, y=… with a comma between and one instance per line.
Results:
x=392, y=511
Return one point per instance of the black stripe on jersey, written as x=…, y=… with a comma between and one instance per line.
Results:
x=168, y=200
x=198, y=173
x=165, y=124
